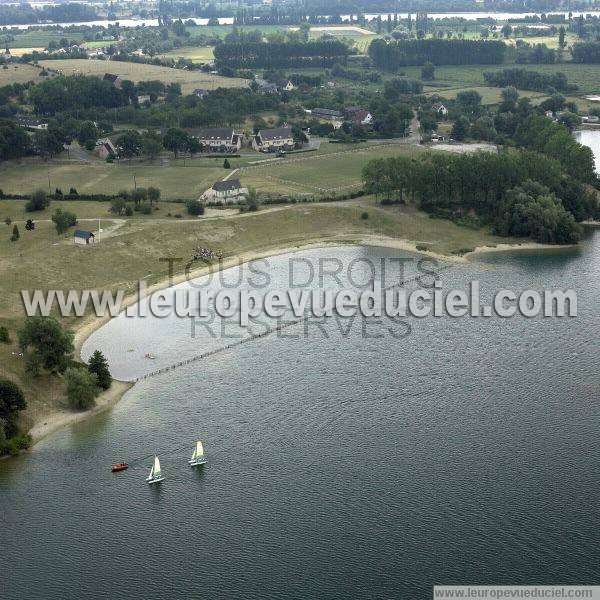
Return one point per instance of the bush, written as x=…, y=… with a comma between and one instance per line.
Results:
x=364, y=215
x=194, y=207
x=15, y=234
x=129, y=210
x=38, y=201
x=146, y=209
x=4, y=335
x=8, y=221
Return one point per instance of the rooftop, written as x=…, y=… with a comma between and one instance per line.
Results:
x=279, y=133
x=227, y=186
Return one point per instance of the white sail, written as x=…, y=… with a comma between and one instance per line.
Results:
x=156, y=467
x=199, y=450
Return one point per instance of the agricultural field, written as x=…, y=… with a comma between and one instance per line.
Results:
x=197, y=54
x=20, y=73
x=587, y=77
x=142, y=72
x=36, y=38
x=220, y=31
x=489, y=95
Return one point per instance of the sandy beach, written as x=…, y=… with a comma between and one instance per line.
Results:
x=56, y=420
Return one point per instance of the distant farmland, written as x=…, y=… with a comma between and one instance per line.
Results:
x=142, y=72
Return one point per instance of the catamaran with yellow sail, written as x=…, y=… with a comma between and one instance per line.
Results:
x=155, y=473
x=198, y=457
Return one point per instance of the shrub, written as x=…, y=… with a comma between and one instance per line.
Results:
x=4, y=335
x=194, y=207
x=8, y=221
x=38, y=201
x=15, y=234
x=364, y=215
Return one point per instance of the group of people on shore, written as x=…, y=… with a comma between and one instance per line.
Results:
x=206, y=254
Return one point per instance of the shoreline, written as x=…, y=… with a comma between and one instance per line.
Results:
x=58, y=419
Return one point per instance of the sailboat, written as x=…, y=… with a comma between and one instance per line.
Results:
x=198, y=457
x=155, y=473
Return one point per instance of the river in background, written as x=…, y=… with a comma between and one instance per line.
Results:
x=469, y=16
x=344, y=462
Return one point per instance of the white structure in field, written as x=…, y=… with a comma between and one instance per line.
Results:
x=227, y=192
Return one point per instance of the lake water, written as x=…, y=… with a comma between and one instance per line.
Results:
x=355, y=464
x=590, y=138
x=469, y=16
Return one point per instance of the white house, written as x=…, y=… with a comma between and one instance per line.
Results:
x=274, y=140
x=358, y=116
x=287, y=86
x=225, y=191
x=220, y=139
x=440, y=109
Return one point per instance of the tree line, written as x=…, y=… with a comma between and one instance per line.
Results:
x=390, y=56
x=496, y=188
x=281, y=54
x=523, y=79
x=77, y=91
x=586, y=52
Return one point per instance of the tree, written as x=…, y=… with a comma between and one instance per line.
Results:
x=39, y=201
x=561, y=37
x=15, y=234
x=506, y=30
x=460, y=129
x=29, y=225
x=131, y=144
x=153, y=195
x=226, y=164
x=428, y=72
x=82, y=388
x=49, y=342
x=12, y=401
x=175, y=140
x=87, y=132
x=48, y=142
x=151, y=145
x=194, y=207
x=8, y=221
x=139, y=195
x=98, y=365
x=118, y=205
x=63, y=220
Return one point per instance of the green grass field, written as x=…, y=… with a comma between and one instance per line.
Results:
x=173, y=181
x=197, y=54
x=142, y=72
x=39, y=38
x=334, y=169
x=587, y=77
x=337, y=170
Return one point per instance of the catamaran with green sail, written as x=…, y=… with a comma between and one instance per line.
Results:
x=198, y=457
x=155, y=473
